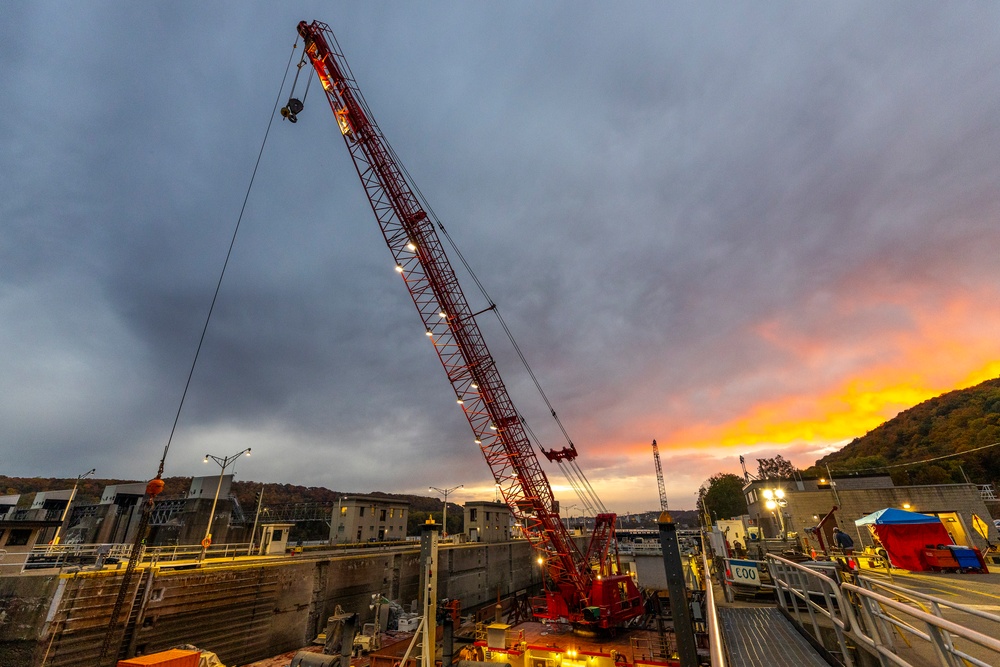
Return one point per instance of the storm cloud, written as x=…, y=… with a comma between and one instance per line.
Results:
x=732, y=228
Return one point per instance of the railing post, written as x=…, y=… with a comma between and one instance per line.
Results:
x=714, y=634
x=941, y=640
x=875, y=629
x=838, y=629
x=945, y=635
x=798, y=581
x=803, y=586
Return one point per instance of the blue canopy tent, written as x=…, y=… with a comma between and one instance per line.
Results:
x=905, y=535
x=892, y=516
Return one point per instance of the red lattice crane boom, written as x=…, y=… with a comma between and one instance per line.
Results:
x=586, y=592
x=659, y=478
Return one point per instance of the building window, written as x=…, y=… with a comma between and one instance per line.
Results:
x=343, y=511
x=340, y=528
x=472, y=514
x=381, y=516
x=19, y=537
x=361, y=511
x=392, y=512
x=487, y=516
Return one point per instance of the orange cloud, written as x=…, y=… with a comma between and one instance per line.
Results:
x=941, y=347
x=824, y=377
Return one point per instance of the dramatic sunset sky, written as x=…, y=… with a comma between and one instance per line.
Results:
x=736, y=228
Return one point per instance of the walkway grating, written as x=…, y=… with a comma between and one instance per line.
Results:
x=762, y=636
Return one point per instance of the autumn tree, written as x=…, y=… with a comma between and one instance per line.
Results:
x=775, y=468
x=721, y=496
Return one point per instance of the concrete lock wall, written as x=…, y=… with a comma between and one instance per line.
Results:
x=244, y=612
x=24, y=602
x=477, y=572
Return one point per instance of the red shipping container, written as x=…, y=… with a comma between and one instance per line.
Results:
x=175, y=657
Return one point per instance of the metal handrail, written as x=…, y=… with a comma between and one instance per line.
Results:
x=795, y=583
x=876, y=616
x=938, y=631
x=716, y=653
x=58, y=556
x=935, y=603
x=640, y=548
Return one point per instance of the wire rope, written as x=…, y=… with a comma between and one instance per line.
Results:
x=913, y=463
x=574, y=475
x=225, y=264
x=492, y=305
x=147, y=504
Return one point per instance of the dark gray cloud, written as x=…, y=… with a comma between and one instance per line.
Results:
x=644, y=189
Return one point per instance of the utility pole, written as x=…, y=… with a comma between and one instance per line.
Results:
x=256, y=516
x=833, y=485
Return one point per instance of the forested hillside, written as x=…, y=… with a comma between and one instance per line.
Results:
x=421, y=507
x=959, y=421
x=274, y=494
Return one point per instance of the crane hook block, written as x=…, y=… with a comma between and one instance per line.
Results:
x=292, y=110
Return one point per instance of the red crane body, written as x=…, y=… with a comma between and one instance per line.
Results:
x=579, y=591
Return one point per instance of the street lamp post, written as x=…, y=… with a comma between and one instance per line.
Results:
x=72, y=495
x=569, y=516
x=223, y=463
x=444, y=517
x=775, y=500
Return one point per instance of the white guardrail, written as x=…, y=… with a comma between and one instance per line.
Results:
x=89, y=555
x=716, y=652
x=891, y=625
x=872, y=614
x=801, y=588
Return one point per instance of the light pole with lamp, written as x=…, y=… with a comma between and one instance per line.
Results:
x=444, y=517
x=775, y=500
x=224, y=463
x=569, y=516
x=72, y=495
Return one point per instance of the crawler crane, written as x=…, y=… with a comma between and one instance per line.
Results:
x=659, y=478
x=588, y=589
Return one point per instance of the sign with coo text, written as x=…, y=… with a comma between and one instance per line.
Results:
x=744, y=572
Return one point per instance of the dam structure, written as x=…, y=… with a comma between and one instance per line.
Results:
x=241, y=608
